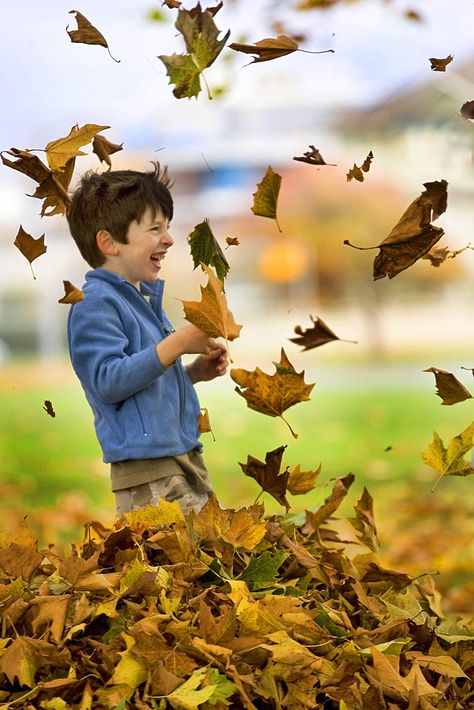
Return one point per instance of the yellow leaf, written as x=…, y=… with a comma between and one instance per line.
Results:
x=129, y=670
x=153, y=516
x=300, y=482
x=186, y=697
x=265, y=199
x=59, y=151
x=450, y=461
x=244, y=532
x=240, y=595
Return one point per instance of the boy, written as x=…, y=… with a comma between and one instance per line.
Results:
x=124, y=349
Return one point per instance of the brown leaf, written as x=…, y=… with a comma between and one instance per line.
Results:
x=61, y=150
x=437, y=256
x=318, y=335
x=30, y=247
x=86, y=33
x=364, y=521
x=413, y=236
x=20, y=560
x=301, y=482
x=54, y=190
x=467, y=109
x=331, y=504
x=27, y=163
x=268, y=474
x=358, y=172
x=103, y=148
x=232, y=241
x=72, y=294
x=313, y=157
x=211, y=313
x=413, y=15
x=48, y=408
x=204, y=424
x=440, y=64
x=268, y=48
x=448, y=386
x=272, y=394
x=265, y=199
x=50, y=611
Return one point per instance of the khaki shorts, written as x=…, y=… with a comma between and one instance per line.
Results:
x=183, y=478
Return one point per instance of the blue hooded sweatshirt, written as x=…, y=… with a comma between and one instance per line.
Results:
x=141, y=408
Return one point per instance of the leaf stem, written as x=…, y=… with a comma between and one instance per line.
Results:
x=346, y=241
x=321, y=51
x=295, y=435
x=110, y=55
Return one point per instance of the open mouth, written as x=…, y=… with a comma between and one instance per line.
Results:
x=157, y=258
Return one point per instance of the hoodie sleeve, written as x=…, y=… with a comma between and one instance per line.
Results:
x=99, y=346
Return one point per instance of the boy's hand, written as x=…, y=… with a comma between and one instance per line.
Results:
x=210, y=365
x=188, y=340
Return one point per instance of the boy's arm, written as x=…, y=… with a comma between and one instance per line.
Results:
x=209, y=366
x=185, y=341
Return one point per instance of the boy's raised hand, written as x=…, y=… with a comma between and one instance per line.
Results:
x=187, y=340
x=209, y=365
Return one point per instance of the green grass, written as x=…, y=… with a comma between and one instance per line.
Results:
x=371, y=429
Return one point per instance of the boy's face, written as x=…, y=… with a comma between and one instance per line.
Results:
x=148, y=241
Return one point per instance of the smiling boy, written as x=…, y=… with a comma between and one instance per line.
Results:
x=125, y=351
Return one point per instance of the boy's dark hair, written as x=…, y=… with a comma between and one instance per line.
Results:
x=111, y=201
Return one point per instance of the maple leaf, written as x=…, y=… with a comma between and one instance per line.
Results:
x=331, y=504
x=265, y=199
x=413, y=236
x=467, y=109
x=71, y=293
x=86, y=33
x=262, y=571
x=448, y=386
x=440, y=64
x=364, y=521
x=187, y=697
x=205, y=249
x=104, y=148
x=300, y=482
x=267, y=474
x=30, y=247
x=358, y=172
x=61, y=150
x=211, y=313
x=318, y=335
x=313, y=157
x=27, y=163
x=201, y=38
x=272, y=394
x=271, y=48
x=54, y=190
x=48, y=408
x=232, y=242
x=449, y=461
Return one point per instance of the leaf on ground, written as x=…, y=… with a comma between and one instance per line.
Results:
x=205, y=249
x=104, y=148
x=440, y=64
x=319, y=334
x=364, y=521
x=467, y=109
x=187, y=696
x=262, y=571
x=449, y=461
x=71, y=293
x=30, y=247
x=357, y=172
x=301, y=482
x=272, y=394
x=265, y=199
x=448, y=386
x=86, y=33
x=413, y=236
x=211, y=314
x=61, y=150
x=312, y=157
x=267, y=474
x=163, y=514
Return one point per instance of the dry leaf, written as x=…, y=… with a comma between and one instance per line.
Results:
x=364, y=521
x=268, y=474
x=449, y=461
x=358, y=172
x=272, y=394
x=331, y=504
x=103, y=148
x=300, y=482
x=232, y=242
x=71, y=294
x=313, y=157
x=467, y=109
x=30, y=247
x=448, y=386
x=211, y=313
x=413, y=236
x=268, y=48
x=61, y=150
x=265, y=199
x=86, y=33
x=318, y=335
x=48, y=408
x=440, y=64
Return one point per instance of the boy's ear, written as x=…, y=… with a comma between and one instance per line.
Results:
x=106, y=243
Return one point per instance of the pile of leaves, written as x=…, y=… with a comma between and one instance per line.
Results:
x=225, y=608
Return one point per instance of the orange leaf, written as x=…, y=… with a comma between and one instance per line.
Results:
x=30, y=247
x=72, y=294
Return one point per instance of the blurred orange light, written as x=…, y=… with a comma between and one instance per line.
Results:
x=284, y=261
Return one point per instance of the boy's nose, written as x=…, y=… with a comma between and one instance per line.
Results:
x=168, y=239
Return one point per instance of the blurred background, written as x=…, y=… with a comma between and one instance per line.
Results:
x=373, y=409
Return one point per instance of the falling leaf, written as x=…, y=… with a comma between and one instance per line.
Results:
x=72, y=294
x=331, y=503
x=205, y=249
x=30, y=247
x=48, y=408
x=301, y=482
x=413, y=15
x=265, y=199
x=437, y=256
x=358, y=172
x=467, y=109
x=103, y=148
x=267, y=474
x=313, y=157
x=172, y=4
x=364, y=521
x=272, y=394
x=440, y=64
x=448, y=386
x=61, y=150
x=211, y=313
x=200, y=35
x=413, y=236
x=318, y=335
x=449, y=461
x=232, y=241
x=271, y=48
x=86, y=33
